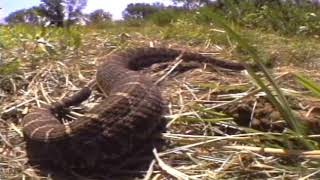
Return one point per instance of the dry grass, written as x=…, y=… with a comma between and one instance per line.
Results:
x=204, y=142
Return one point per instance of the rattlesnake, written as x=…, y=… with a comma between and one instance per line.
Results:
x=132, y=109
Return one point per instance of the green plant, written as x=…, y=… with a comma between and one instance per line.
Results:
x=274, y=95
x=10, y=67
x=309, y=84
x=165, y=17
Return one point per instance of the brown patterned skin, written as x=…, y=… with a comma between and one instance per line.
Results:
x=132, y=98
x=130, y=117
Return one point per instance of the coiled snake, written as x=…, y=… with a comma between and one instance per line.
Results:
x=131, y=110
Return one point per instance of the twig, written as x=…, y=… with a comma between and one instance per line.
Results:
x=19, y=105
x=170, y=170
x=249, y=94
x=286, y=152
x=309, y=175
x=150, y=170
x=172, y=68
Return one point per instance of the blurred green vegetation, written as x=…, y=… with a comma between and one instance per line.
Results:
x=284, y=33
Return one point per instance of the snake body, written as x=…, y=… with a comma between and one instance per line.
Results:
x=131, y=110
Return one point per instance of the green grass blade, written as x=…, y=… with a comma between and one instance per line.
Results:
x=308, y=83
x=278, y=100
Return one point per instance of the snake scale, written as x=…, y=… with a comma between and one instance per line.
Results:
x=130, y=112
